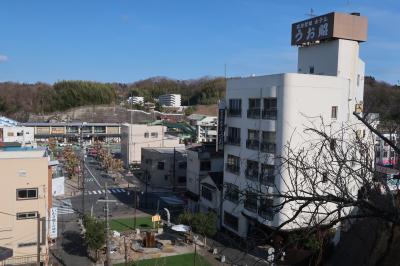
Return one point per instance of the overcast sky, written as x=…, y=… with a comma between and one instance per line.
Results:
x=129, y=40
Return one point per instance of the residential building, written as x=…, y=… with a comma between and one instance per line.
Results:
x=57, y=178
x=211, y=195
x=265, y=113
x=134, y=137
x=384, y=154
x=164, y=167
x=11, y=131
x=136, y=100
x=26, y=195
x=170, y=100
x=201, y=160
x=206, y=127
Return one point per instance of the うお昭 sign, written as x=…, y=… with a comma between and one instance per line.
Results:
x=313, y=29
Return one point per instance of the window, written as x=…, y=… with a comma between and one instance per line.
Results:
x=324, y=177
x=311, y=69
x=10, y=134
x=250, y=202
x=154, y=134
x=26, y=215
x=252, y=170
x=182, y=179
x=334, y=112
x=28, y=244
x=254, y=110
x=253, y=137
x=231, y=221
x=232, y=193
x=358, y=80
x=160, y=165
x=27, y=193
x=265, y=209
x=206, y=193
x=267, y=174
x=182, y=165
x=234, y=135
x=235, y=107
x=20, y=134
x=205, y=165
x=146, y=135
x=268, y=142
x=233, y=164
x=385, y=154
x=270, y=108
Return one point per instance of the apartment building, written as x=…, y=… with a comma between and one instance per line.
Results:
x=201, y=160
x=164, y=167
x=170, y=100
x=134, y=137
x=26, y=195
x=265, y=113
x=384, y=154
x=136, y=100
x=206, y=127
x=11, y=131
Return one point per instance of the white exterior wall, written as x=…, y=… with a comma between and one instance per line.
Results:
x=136, y=100
x=23, y=135
x=133, y=140
x=193, y=174
x=206, y=129
x=301, y=99
x=170, y=100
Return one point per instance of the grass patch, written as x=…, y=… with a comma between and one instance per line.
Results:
x=124, y=224
x=178, y=260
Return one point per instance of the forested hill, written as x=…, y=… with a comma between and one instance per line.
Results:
x=19, y=100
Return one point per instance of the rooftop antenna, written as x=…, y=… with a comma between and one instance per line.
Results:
x=311, y=14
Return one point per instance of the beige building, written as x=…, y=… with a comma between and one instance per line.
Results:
x=134, y=137
x=25, y=180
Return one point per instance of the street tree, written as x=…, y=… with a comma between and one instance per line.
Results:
x=94, y=234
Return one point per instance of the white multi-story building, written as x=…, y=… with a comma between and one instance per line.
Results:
x=10, y=131
x=206, y=127
x=170, y=100
x=265, y=113
x=134, y=137
x=136, y=100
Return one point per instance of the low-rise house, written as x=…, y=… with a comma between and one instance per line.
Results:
x=200, y=161
x=212, y=195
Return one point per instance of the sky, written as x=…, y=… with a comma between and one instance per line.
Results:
x=130, y=40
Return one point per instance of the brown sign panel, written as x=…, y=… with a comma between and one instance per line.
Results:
x=313, y=29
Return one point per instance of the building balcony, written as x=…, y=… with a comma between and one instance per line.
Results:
x=250, y=206
x=269, y=114
x=251, y=174
x=254, y=113
x=235, y=112
x=252, y=144
x=267, y=214
x=233, y=141
x=234, y=169
x=268, y=147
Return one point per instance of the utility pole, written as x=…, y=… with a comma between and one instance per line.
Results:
x=38, y=240
x=82, y=170
x=135, y=204
x=126, y=253
x=174, y=172
x=107, y=229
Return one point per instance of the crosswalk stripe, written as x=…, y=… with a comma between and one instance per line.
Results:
x=123, y=190
x=109, y=191
x=94, y=192
x=118, y=190
x=90, y=192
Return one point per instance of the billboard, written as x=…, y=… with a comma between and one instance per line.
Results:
x=53, y=223
x=221, y=126
x=330, y=26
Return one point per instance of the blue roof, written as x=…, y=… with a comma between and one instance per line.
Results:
x=5, y=121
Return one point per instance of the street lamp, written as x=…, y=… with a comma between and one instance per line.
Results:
x=195, y=237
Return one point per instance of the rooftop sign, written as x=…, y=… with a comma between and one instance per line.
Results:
x=330, y=26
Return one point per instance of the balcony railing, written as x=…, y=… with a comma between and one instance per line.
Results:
x=234, y=112
x=266, y=213
x=268, y=147
x=233, y=140
x=252, y=144
x=250, y=205
x=251, y=174
x=269, y=114
x=235, y=169
x=254, y=113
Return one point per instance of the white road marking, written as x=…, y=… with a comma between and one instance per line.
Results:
x=90, y=172
x=94, y=192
